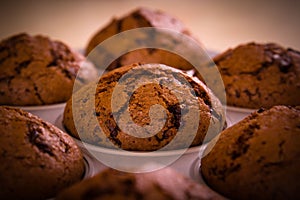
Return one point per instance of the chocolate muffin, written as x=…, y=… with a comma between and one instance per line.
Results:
x=143, y=17
x=196, y=117
x=36, y=70
x=37, y=159
x=112, y=184
x=258, y=158
x=260, y=75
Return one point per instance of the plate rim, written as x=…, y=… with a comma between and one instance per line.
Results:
x=240, y=109
x=42, y=107
x=113, y=152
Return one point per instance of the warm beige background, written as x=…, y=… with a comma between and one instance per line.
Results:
x=219, y=24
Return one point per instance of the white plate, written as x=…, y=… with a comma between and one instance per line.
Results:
x=48, y=113
x=89, y=168
x=236, y=114
x=145, y=161
x=195, y=170
x=196, y=173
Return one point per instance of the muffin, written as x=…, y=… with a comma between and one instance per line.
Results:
x=36, y=70
x=112, y=184
x=179, y=116
x=258, y=158
x=37, y=159
x=260, y=75
x=143, y=17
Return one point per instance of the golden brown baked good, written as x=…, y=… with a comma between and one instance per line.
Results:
x=258, y=158
x=210, y=109
x=37, y=159
x=161, y=184
x=260, y=75
x=36, y=70
x=143, y=17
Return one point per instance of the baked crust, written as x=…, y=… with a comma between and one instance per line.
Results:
x=36, y=70
x=257, y=158
x=260, y=75
x=210, y=109
x=37, y=159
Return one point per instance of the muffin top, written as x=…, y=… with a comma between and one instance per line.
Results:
x=257, y=158
x=260, y=75
x=198, y=114
x=144, y=17
x=37, y=159
x=161, y=184
x=36, y=70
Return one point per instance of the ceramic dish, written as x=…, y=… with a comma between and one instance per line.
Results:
x=89, y=168
x=195, y=168
x=132, y=161
x=236, y=114
x=48, y=113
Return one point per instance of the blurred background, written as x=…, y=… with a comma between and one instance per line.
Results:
x=219, y=24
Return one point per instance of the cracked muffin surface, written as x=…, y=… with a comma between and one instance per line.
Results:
x=37, y=159
x=258, y=158
x=106, y=130
x=260, y=75
x=36, y=70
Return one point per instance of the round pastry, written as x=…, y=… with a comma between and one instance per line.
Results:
x=260, y=75
x=258, y=158
x=37, y=159
x=211, y=116
x=112, y=184
x=143, y=17
x=36, y=70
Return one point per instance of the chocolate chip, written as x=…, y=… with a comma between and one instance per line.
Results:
x=260, y=159
x=128, y=182
x=55, y=59
x=281, y=147
x=292, y=50
x=136, y=16
x=242, y=149
x=285, y=64
x=151, y=50
x=22, y=65
x=225, y=71
x=237, y=93
x=96, y=113
x=7, y=79
x=176, y=111
x=37, y=94
x=248, y=93
x=34, y=135
x=264, y=65
x=260, y=110
x=283, y=61
x=273, y=164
